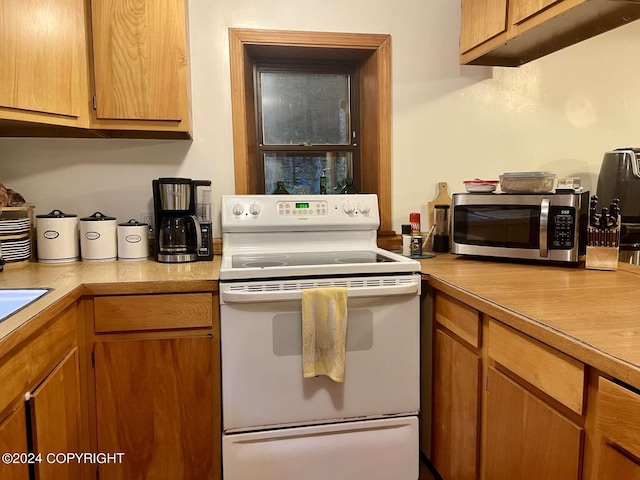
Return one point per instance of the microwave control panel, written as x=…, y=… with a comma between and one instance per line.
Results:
x=562, y=223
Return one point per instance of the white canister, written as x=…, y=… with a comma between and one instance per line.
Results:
x=57, y=237
x=133, y=240
x=98, y=242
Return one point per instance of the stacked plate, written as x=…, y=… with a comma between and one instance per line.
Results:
x=16, y=250
x=480, y=186
x=14, y=226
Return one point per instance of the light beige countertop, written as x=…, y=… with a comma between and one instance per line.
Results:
x=593, y=316
x=69, y=281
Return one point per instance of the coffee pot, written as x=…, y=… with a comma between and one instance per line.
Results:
x=178, y=232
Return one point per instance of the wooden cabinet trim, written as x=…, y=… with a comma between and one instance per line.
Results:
x=374, y=53
x=553, y=372
x=153, y=312
x=458, y=317
x=618, y=415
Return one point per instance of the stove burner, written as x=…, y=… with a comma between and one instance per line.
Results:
x=354, y=260
x=263, y=264
x=293, y=259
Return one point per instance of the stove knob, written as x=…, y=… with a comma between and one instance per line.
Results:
x=238, y=209
x=254, y=209
x=365, y=208
x=348, y=208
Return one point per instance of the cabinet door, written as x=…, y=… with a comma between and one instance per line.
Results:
x=55, y=420
x=43, y=56
x=523, y=9
x=139, y=56
x=154, y=404
x=455, y=410
x=481, y=20
x=13, y=439
x=525, y=438
x=616, y=465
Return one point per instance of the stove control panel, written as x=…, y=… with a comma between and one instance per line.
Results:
x=303, y=208
x=299, y=212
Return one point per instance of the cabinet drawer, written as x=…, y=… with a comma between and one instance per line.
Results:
x=618, y=415
x=461, y=319
x=152, y=312
x=553, y=372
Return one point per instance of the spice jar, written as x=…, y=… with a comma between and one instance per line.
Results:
x=406, y=240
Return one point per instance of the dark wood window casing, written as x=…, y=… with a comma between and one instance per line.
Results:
x=371, y=56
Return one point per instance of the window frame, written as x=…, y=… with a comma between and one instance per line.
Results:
x=296, y=65
x=371, y=52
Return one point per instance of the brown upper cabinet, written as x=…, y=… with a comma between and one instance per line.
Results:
x=509, y=34
x=140, y=65
x=43, y=77
x=94, y=68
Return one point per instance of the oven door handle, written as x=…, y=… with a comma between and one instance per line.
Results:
x=239, y=296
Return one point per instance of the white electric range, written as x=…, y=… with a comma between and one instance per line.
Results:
x=276, y=424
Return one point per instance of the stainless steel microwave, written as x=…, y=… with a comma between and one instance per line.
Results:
x=545, y=227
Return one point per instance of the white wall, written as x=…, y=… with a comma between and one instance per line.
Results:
x=450, y=123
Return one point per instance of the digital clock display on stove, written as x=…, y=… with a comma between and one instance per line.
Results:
x=302, y=205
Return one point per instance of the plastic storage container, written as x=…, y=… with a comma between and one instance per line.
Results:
x=528, y=182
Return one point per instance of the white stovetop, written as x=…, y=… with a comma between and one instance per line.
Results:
x=273, y=236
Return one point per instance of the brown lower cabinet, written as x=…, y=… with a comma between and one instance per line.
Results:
x=618, y=424
x=13, y=439
x=455, y=409
x=156, y=377
x=154, y=404
x=44, y=371
x=55, y=421
x=616, y=464
x=525, y=438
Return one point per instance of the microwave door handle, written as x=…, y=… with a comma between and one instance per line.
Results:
x=544, y=226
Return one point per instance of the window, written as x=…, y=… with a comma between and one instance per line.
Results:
x=370, y=56
x=307, y=117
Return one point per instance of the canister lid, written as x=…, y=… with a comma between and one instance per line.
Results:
x=133, y=223
x=57, y=214
x=97, y=217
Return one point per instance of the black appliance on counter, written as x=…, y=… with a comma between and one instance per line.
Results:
x=180, y=236
x=620, y=178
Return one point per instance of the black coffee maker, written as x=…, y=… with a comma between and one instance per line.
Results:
x=178, y=231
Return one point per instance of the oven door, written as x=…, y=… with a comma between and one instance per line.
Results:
x=261, y=337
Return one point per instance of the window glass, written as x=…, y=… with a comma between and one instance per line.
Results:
x=305, y=108
x=301, y=172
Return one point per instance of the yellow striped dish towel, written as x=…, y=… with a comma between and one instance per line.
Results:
x=324, y=332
